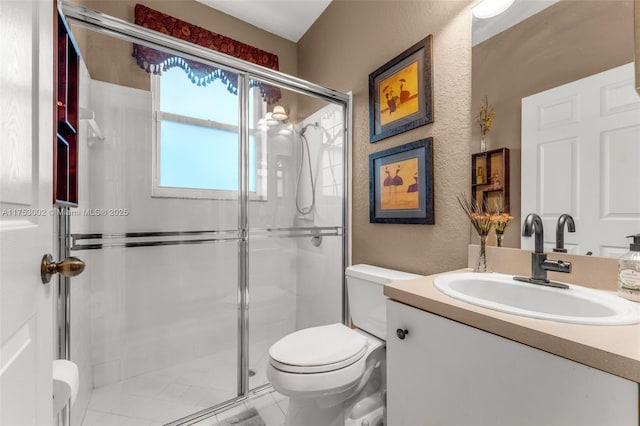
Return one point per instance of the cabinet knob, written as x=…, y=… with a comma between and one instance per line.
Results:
x=401, y=333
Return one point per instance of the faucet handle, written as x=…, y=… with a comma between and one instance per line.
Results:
x=571, y=227
x=557, y=266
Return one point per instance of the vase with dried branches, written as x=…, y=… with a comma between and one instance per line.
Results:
x=482, y=220
x=485, y=120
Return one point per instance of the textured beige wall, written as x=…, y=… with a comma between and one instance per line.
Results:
x=109, y=59
x=568, y=41
x=349, y=41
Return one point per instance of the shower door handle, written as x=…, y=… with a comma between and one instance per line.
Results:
x=69, y=267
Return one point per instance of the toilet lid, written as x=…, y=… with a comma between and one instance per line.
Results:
x=318, y=349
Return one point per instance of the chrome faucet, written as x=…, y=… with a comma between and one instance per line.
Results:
x=539, y=263
x=571, y=227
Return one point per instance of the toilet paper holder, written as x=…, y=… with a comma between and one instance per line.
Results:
x=66, y=380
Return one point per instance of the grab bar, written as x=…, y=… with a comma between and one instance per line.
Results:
x=150, y=239
x=311, y=231
x=164, y=238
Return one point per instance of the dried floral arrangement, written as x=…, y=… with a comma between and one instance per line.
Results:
x=483, y=220
x=501, y=221
x=485, y=116
x=501, y=218
x=479, y=214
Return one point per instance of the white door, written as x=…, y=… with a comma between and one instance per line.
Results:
x=581, y=155
x=26, y=227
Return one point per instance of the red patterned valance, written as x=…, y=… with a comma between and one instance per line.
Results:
x=155, y=61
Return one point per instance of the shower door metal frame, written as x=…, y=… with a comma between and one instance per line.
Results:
x=114, y=27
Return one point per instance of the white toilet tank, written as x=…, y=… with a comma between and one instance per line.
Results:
x=366, y=296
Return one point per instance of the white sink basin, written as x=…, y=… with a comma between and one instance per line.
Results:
x=576, y=305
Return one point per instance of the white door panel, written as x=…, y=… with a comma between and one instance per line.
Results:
x=26, y=231
x=580, y=155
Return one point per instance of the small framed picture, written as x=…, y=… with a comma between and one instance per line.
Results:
x=401, y=93
x=401, y=184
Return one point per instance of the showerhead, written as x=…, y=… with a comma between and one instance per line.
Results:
x=304, y=129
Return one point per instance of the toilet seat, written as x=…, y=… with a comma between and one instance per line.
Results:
x=318, y=349
x=318, y=368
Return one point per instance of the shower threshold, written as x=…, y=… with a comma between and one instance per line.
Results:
x=189, y=392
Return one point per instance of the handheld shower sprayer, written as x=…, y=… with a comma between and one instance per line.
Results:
x=326, y=140
x=305, y=210
x=304, y=129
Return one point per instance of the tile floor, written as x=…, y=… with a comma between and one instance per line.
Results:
x=271, y=407
x=162, y=396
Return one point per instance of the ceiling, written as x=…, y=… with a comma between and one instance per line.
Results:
x=484, y=29
x=289, y=19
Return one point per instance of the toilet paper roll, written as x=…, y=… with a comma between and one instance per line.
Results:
x=66, y=380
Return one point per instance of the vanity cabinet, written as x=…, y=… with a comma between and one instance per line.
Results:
x=441, y=372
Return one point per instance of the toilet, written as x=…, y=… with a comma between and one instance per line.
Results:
x=332, y=374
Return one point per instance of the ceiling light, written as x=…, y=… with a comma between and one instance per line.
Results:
x=279, y=113
x=490, y=8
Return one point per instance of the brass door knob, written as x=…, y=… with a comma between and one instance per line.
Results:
x=69, y=267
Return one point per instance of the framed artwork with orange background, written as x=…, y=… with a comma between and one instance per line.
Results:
x=401, y=93
x=401, y=184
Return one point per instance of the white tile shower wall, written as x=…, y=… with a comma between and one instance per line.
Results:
x=319, y=290
x=279, y=208
x=272, y=298
x=80, y=285
x=156, y=306
x=319, y=279
x=326, y=144
x=272, y=265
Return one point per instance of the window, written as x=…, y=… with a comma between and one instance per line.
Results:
x=196, y=139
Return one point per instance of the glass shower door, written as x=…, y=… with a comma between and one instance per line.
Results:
x=296, y=224
x=154, y=317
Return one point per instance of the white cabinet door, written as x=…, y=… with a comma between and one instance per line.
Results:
x=580, y=155
x=26, y=115
x=407, y=368
x=447, y=373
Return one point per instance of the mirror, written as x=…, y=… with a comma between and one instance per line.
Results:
x=534, y=46
x=636, y=14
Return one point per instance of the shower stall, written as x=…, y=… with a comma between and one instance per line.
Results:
x=210, y=226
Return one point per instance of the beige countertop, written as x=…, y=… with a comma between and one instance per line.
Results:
x=613, y=349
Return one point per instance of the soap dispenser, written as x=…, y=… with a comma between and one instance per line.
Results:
x=629, y=271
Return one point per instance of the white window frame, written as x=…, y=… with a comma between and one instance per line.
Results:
x=157, y=190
